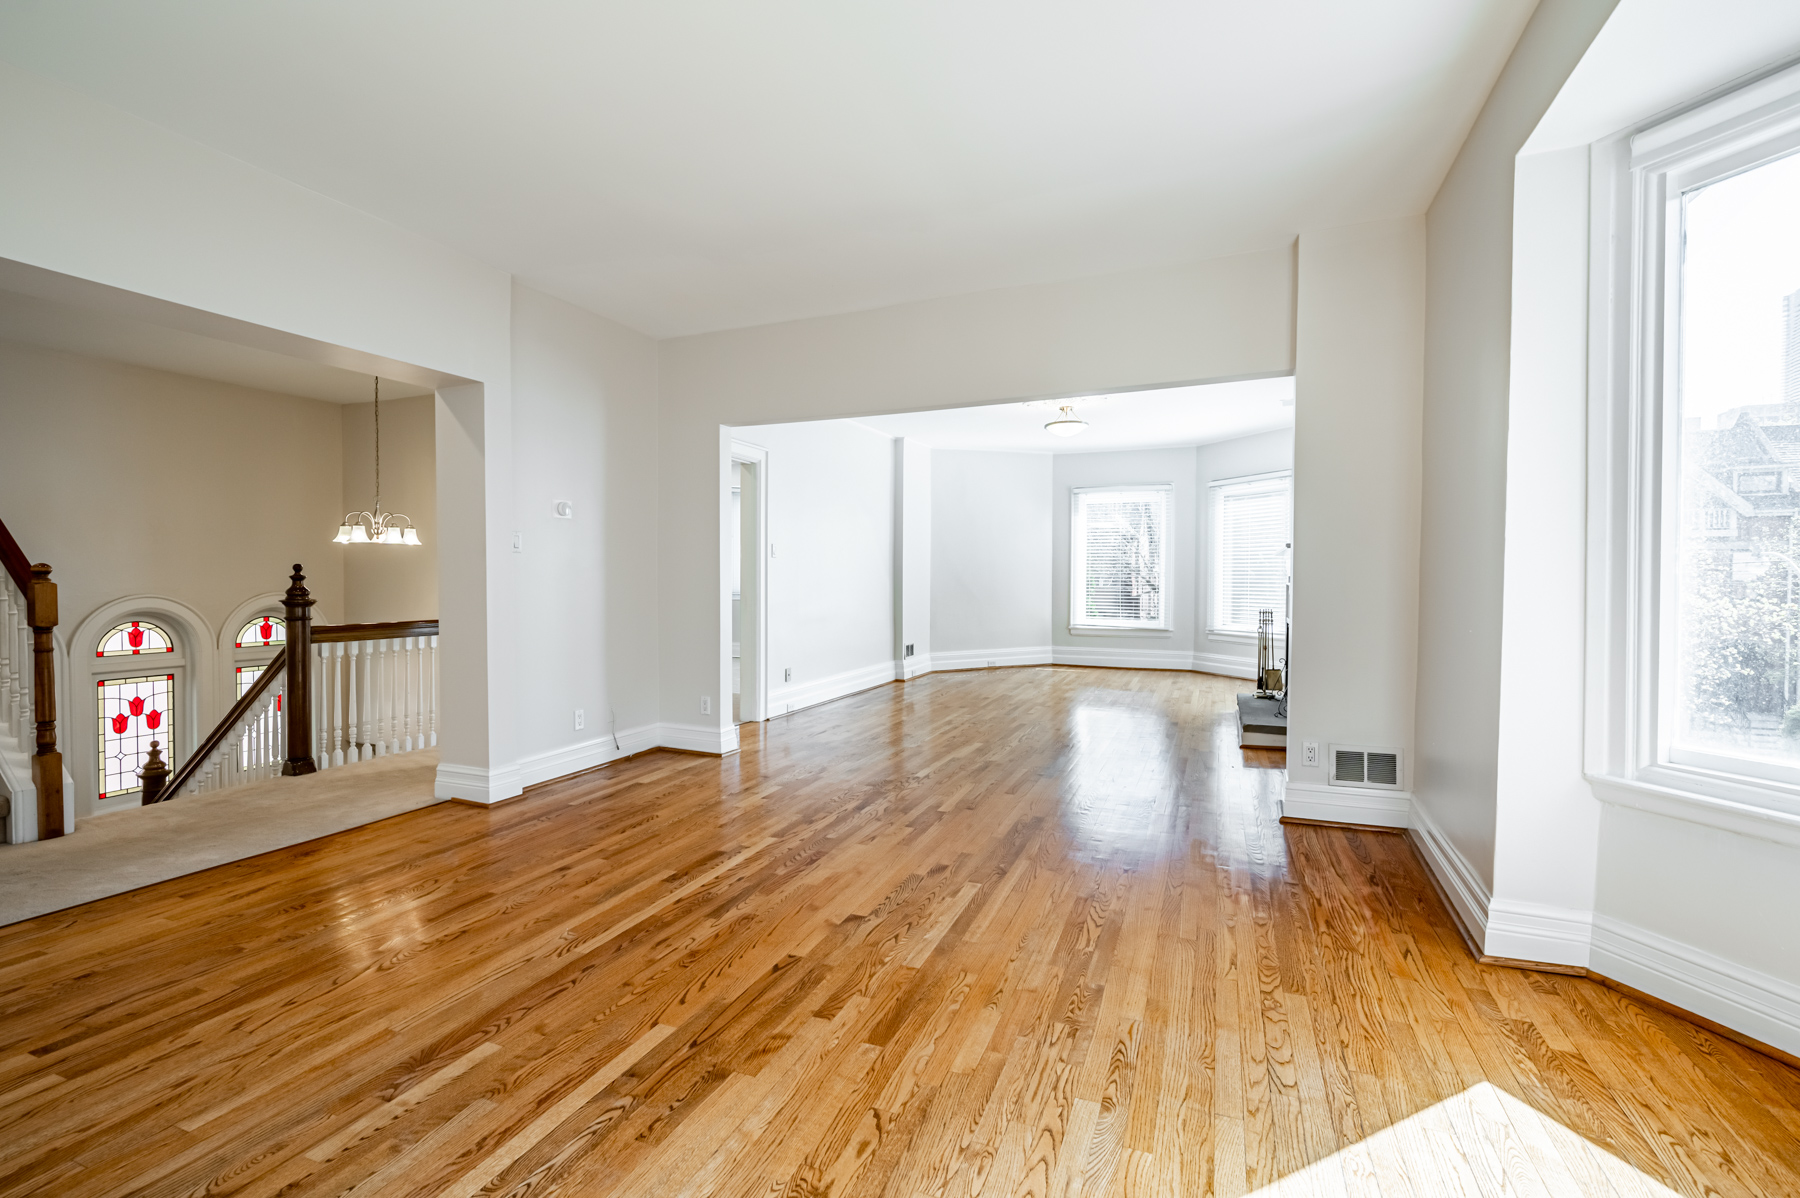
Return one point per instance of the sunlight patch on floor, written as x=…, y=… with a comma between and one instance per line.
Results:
x=1481, y=1141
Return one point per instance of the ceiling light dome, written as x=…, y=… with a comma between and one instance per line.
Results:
x=1066, y=425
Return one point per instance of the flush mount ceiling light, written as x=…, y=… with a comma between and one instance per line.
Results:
x=377, y=527
x=1066, y=425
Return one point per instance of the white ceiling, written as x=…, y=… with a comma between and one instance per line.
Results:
x=52, y=325
x=686, y=165
x=1131, y=420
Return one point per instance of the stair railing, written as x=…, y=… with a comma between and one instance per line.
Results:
x=341, y=693
x=28, y=691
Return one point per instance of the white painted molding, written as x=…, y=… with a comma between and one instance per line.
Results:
x=1225, y=666
x=793, y=697
x=1524, y=931
x=1121, y=657
x=1746, y=1000
x=980, y=659
x=912, y=667
x=477, y=784
x=697, y=738
x=1454, y=874
x=573, y=759
x=1347, y=805
x=1744, y=818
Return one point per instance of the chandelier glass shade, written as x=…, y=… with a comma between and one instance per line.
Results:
x=377, y=527
x=1066, y=425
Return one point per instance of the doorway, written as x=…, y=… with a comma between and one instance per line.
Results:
x=746, y=583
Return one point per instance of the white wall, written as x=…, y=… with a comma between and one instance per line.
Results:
x=97, y=194
x=1153, y=650
x=831, y=491
x=1221, y=319
x=584, y=412
x=1468, y=346
x=1358, y=380
x=1264, y=453
x=912, y=554
x=990, y=558
x=385, y=582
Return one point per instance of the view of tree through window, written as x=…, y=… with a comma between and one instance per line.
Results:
x=1737, y=595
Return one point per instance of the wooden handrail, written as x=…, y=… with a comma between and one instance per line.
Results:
x=393, y=629
x=17, y=564
x=238, y=711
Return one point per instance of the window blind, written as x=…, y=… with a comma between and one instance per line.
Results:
x=1119, y=557
x=1250, y=561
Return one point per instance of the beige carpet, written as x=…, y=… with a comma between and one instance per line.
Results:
x=110, y=854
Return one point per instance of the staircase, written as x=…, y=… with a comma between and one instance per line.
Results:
x=31, y=768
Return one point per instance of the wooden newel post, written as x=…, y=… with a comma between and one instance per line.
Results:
x=46, y=765
x=299, y=677
x=154, y=776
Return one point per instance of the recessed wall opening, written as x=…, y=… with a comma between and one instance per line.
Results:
x=1140, y=529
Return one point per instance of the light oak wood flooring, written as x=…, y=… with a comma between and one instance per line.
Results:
x=1013, y=932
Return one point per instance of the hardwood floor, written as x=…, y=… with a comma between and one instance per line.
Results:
x=1029, y=931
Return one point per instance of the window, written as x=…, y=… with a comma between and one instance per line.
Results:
x=134, y=638
x=263, y=632
x=1696, y=658
x=1249, y=550
x=133, y=712
x=1118, y=559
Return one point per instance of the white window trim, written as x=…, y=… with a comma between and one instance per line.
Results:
x=1213, y=627
x=1636, y=177
x=1167, y=627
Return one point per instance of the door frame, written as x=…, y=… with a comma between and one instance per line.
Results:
x=753, y=684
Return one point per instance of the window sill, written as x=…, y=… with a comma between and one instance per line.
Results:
x=1231, y=634
x=1736, y=811
x=1090, y=630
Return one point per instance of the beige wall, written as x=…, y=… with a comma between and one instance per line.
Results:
x=384, y=582
x=132, y=481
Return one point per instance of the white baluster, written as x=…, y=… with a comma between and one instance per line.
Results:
x=390, y=652
x=337, y=699
x=433, y=706
x=352, y=687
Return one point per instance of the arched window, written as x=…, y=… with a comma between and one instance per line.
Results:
x=134, y=707
x=135, y=638
x=263, y=632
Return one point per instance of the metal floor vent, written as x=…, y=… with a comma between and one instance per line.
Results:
x=1353, y=765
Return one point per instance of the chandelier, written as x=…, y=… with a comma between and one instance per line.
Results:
x=377, y=527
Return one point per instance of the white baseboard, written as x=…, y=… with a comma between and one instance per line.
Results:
x=1455, y=875
x=1120, y=657
x=573, y=759
x=794, y=697
x=981, y=659
x=912, y=667
x=1522, y=931
x=1228, y=667
x=1757, y=1004
x=1347, y=805
x=697, y=738
x=477, y=784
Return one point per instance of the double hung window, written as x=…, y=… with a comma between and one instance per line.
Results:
x=1119, y=558
x=1250, y=533
x=1707, y=672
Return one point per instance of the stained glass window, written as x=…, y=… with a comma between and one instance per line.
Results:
x=133, y=712
x=133, y=638
x=262, y=631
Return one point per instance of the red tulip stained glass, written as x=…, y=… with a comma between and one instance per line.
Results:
x=135, y=638
x=133, y=712
x=262, y=632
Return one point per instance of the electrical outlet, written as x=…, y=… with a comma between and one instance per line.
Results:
x=580, y=719
x=518, y=542
x=787, y=675
x=771, y=548
x=991, y=663
x=1309, y=753
x=909, y=651
x=705, y=704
